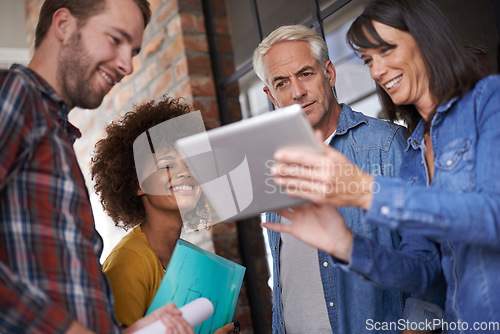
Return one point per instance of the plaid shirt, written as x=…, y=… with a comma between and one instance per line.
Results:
x=49, y=248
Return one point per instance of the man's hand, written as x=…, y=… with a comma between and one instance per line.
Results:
x=77, y=328
x=227, y=329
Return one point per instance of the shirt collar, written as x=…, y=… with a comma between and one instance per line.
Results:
x=349, y=119
x=446, y=106
x=417, y=136
x=43, y=86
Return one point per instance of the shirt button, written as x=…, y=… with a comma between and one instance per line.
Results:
x=385, y=210
x=325, y=264
x=275, y=248
x=331, y=304
x=281, y=323
x=449, y=162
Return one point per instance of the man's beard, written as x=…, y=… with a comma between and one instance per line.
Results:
x=75, y=73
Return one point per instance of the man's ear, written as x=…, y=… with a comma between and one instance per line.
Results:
x=63, y=24
x=331, y=74
x=270, y=96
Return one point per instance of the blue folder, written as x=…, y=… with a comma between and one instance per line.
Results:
x=193, y=273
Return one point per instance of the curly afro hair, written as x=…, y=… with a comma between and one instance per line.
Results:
x=113, y=167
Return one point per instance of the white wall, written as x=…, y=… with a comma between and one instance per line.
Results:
x=13, y=40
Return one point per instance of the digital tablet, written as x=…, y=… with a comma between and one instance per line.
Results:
x=232, y=163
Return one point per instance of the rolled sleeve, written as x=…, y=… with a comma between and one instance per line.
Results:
x=413, y=268
x=361, y=260
x=388, y=202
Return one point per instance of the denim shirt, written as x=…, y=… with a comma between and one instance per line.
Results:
x=460, y=208
x=377, y=147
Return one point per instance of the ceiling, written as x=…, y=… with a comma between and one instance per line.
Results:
x=14, y=46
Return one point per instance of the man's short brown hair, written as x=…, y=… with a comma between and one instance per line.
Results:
x=81, y=9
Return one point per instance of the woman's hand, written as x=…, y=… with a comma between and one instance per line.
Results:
x=171, y=318
x=319, y=225
x=327, y=177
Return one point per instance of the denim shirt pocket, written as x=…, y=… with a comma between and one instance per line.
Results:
x=454, y=167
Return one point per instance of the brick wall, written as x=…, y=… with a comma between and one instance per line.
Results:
x=175, y=60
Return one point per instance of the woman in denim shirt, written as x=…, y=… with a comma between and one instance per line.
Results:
x=450, y=186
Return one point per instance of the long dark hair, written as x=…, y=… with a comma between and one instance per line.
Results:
x=451, y=70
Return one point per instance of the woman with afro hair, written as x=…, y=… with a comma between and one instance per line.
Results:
x=151, y=206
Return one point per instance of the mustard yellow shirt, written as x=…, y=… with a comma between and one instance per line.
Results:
x=134, y=272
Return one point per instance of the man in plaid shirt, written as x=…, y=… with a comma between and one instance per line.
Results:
x=50, y=277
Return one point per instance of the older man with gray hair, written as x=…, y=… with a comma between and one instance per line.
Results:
x=312, y=292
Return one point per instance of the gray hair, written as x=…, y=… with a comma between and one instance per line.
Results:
x=289, y=33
